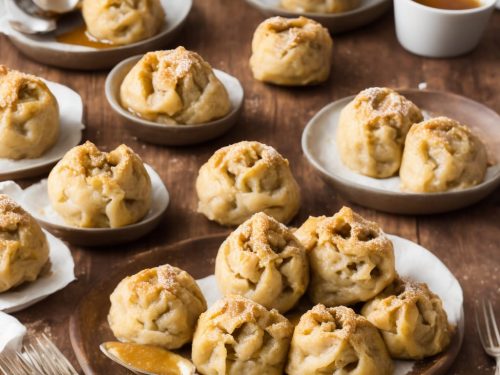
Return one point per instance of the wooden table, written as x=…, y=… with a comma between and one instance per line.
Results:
x=467, y=241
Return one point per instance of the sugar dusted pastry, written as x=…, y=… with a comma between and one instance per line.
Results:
x=157, y=306
x=174, y=87
x=320, y=6
x=29, y=115
x=411, y=319
x=442, y=154
x=372, y=131
x=263, y=261
x=95, y=189
x=123, y=21
x=238, y=336
x=291, y=51
x=244, y=178
x=351, y=258
x=24, y=250
x=336, y=340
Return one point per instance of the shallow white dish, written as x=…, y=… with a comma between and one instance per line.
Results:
x=173, y=135
x=71, y=111
x=35, y=200
x=320, y=148
x=368, y=11
x=411, y=259
x=47, y=50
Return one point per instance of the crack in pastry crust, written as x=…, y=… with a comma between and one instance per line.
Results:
x=244, y=178
x=174, y=87
x=291, y=51
x=24, y=251
x=90, y=188
x=411, y=319
x=351, y=258
x=157, y=306
x=123, y=21
x=441, y=154
x=337, y=341
x=320, y=6
x=263, y=261
x=372, y=131
x=29, y=115
x=238, y=336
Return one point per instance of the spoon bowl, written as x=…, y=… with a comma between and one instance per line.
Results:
x=25, y=20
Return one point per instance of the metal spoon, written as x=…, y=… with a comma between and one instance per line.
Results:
x=22, y=21
x=186, y=368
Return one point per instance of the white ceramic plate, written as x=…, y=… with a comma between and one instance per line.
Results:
x=368, y=11
x=71, y=110
x=36, y=201
x=411, y=259
x=47, y=50
x=320, y=148
x=173, y=135
x=61, y=274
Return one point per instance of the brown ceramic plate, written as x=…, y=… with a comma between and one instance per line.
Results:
x=368, y=11
x=319, y=146
x=173, y=135
x=89, y=328
x=47, y=50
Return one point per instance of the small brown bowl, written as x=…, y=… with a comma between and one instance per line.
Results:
x=173, y=135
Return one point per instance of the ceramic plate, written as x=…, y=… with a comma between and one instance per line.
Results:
x=368, y=11
x=89, y=327
x=71, y=110
x=36, y=201
x=319, y=146
x=47, y=50
x=173, y=135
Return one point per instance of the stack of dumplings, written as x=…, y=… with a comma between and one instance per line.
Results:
x=29, y=116
x=263, y=270
x=381, y=133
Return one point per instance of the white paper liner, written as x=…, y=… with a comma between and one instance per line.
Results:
x=71, y=111
x=35, y=200
x=11, y=334
x=323, y=149
x=61, y=270
x=413, y=262
x=175, y=10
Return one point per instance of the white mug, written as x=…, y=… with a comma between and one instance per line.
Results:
x=434, y=32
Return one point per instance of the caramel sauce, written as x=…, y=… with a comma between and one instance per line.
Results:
x=81, y=37
x=150, y=358
x=451, y=4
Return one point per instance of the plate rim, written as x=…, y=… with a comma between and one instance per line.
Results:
x=401, y=194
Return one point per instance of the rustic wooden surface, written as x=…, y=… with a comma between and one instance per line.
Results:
x=467, y=241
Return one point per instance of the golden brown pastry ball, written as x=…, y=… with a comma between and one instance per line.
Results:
x=351, y=258
x=263, y=261
x=238, y=336
x=320, y=6
x=411, y=319
x=442, y=154
x=29, y=115
x=157, y=306
x=174, y=87
x=123, y=21
x=244, y=178
x=291, y=52
x=372, y=131
x=95, y=189
x=337, y=341
x=24, y=250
